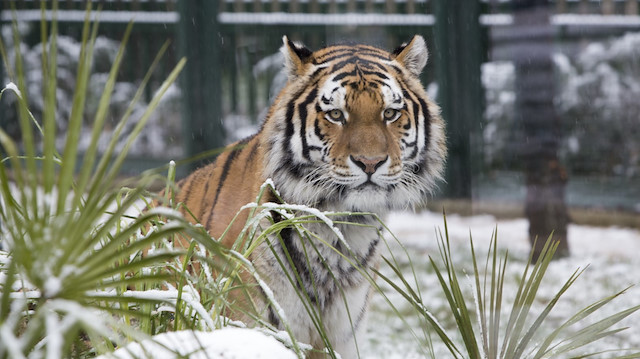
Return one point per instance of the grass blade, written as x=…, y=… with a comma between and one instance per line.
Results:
x=593, y=332
x=575, y=319
x=115, y=168
x=49, y=71
x=67, y=170
x=100, y=118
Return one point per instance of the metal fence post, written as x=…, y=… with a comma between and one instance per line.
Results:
x=457, y=58
x=199, y=37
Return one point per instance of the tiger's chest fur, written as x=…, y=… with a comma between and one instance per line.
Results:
x=331, y=284
x=352, y=131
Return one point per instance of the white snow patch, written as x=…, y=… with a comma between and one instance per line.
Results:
x=52, y=287
x=418, y=230
x=227, y=343
x=11, y=86
x=165, y=212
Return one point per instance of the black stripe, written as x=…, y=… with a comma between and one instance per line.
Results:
x=334, y=51
x=363, y=261
x=223, y=176
x=318, y=132
x=396, y=69
x=204, y=198
x=362, y=313
x=272, y=317
x=252, y=151
x=419, y=104
x=346, y=53
x=380, y=66
x=291, y=106
x=250, y=156
x=297, y=257
x=409, y=144
x=375, y=73
x=362, y=72
x=343, y=75
x=339, y=65
x=317, y=72
x=297, y=170
x=427, y=122
x=289, y=129
x=416, y=116
x=187, y=190
x=302, y=111
x=326, y=101
x=377, y=55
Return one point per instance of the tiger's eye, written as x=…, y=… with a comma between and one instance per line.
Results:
x=335, y=115
x=390, y=114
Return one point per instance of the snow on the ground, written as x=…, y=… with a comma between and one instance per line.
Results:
x=610, y=255
x=227, y=343
x=418, y=230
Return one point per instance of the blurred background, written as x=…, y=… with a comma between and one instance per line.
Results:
x=541, y=98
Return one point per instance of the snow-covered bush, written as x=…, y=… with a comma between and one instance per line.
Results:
x=597, y=102
x=499, y=131
x=599, y=106
x=162, y=135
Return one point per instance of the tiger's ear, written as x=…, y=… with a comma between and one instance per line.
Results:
x=296, y=57
x=413, y=54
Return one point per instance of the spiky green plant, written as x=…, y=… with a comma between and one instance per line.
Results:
x=481, y=325
x=72, y=266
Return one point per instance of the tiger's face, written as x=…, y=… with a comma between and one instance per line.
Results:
x=354, y=129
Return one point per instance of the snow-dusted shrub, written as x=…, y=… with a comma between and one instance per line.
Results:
x=597, y=103
x=499, y=132
x=160, y=138
x=599, y=106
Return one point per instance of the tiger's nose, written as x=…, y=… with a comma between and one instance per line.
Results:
x=369, y=164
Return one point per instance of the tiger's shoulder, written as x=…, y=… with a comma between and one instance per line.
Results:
x=213, y=194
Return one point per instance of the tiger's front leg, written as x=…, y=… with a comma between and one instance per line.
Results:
x=349, y=325
x=320, y=287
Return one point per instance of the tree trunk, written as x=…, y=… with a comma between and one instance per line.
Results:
x=545, y=177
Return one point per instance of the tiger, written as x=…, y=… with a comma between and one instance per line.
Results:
x=352, y=131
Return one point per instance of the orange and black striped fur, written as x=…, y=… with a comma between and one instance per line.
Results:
x=353, y=130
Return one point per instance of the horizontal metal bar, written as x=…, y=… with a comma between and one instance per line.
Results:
x=570, y=20
x=353, y=19
x=596, y=20
x=281, y=18
x=104, y=16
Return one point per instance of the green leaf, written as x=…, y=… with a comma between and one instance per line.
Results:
x=70, y=152
x=100, y=118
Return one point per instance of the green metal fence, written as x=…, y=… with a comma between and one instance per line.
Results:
x=227, y=82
